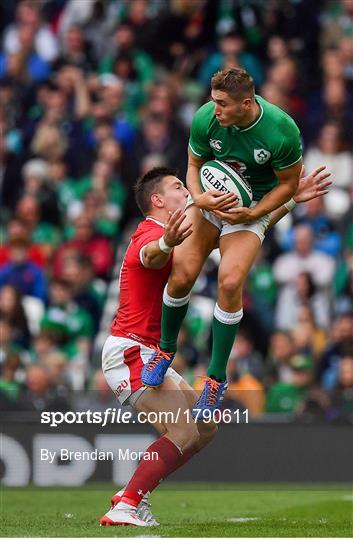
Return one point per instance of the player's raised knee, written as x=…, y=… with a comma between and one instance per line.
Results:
x=181, y=283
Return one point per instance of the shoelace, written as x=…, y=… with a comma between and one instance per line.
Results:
x=159, y=355
x=214, y=387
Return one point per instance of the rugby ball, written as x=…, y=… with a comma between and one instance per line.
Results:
x=219, y=176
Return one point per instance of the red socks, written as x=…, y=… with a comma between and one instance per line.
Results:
x=152, y=469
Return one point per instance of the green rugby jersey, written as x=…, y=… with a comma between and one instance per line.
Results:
x=271, y=143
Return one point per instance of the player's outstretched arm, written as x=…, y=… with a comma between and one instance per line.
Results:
x=155, y=254
x=313, y=185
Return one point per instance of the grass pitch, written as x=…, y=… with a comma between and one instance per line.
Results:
x=196, y=510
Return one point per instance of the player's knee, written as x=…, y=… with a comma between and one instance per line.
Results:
x=231, y=284
x=181, y=283
x=187, y=435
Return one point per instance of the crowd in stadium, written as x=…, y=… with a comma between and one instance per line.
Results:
x=95, y=93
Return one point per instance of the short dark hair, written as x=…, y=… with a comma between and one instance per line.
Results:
x=235, y=81
x=148, y=184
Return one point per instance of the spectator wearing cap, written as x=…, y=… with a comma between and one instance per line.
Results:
x=22, y=274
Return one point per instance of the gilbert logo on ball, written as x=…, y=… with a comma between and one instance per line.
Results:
x=217, y=175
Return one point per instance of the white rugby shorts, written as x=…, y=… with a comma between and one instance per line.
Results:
x=122, y=362
x=258, y=227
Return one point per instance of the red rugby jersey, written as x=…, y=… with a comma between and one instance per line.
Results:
x=141, y=289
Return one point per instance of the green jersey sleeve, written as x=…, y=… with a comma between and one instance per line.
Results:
x=198, y=142
x=289, y=150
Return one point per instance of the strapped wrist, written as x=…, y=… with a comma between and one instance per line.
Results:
x=289, y=205
x=163, y=246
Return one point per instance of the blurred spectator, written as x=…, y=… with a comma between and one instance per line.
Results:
x=320, y=268
x=231, y=53
x=282, y=350
x=336, y=22
x=10, y=388
x=22, y=274
x=12, y=309
x=46, y=235
x=86, y=242
x=28, y=16
x=24, y=63
x=340, y=344
x=333, y=150
x=156, y=137
x=35, y=174
x=263, y=291
x=245, y=359
x=40, y=394
x=123, y=47
x=75, y=51
x=325, y=238
x=342, y=395
x=308, y=337
x=69, y=321
x=43, y=344
x=18, y=230
x=288, y=397
x=88, y=293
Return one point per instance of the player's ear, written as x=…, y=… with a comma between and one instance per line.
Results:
x=157, y=200
x=247, y=102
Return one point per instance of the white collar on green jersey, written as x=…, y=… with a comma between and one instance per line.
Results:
x=156, y=221
x=254, y=123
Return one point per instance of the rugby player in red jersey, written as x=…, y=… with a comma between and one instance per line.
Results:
x=135, y=332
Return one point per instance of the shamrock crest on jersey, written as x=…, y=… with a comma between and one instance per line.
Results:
x=216, y=144
x=261, y=155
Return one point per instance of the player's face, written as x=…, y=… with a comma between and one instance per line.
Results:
x=228, y=110
x=174, y=194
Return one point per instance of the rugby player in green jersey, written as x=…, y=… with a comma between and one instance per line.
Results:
x=262, y=142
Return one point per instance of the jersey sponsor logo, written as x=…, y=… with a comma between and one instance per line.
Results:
x=261, y=155
x=216, y=144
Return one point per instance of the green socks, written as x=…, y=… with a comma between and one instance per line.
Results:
x=173, y=314
x=224, y=330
